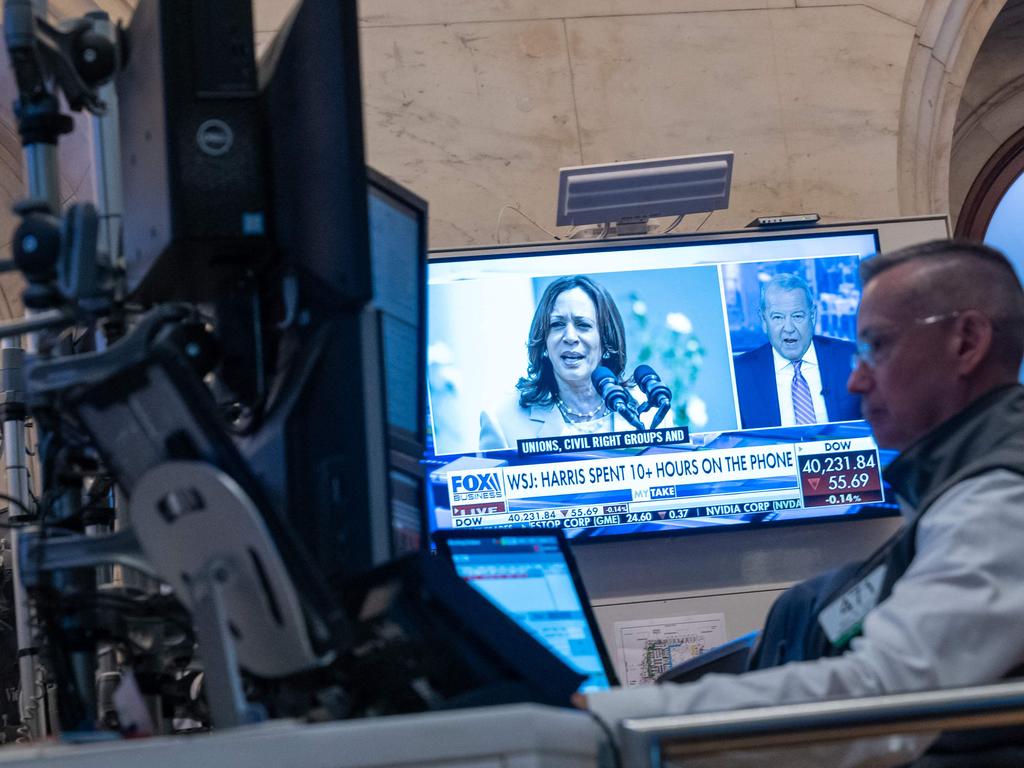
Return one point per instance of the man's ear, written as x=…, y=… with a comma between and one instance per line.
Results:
x=973, y=341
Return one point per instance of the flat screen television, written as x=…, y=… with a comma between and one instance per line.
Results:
x=723, y=436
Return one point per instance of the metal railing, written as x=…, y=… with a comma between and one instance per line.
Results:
x=649, y=742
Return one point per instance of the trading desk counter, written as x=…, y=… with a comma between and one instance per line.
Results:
x=516, y=736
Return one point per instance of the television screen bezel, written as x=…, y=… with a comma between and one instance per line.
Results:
x=898, y=232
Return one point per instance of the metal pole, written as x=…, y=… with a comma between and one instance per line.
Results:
x=106, y=146
x=41, y=174
x=43, y=181
x=107, y=188
x=12, y=359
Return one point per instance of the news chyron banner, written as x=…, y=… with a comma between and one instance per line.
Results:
x=597, y=493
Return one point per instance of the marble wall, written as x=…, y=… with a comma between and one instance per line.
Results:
x=477, y=105
x=838, y=107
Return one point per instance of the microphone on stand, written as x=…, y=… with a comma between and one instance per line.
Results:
x=658, y=394
x=615, y=396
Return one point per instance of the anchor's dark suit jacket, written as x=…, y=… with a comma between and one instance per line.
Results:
x=758, y=394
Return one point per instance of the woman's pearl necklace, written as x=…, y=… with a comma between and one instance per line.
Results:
x=569, y=413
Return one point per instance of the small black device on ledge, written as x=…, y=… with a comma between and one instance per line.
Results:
x=794, y=220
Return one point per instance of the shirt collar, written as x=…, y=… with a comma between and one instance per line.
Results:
x=961, y=442
x=810, y=358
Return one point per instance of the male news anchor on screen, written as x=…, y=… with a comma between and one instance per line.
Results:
x=797, y=377
x=576, y=328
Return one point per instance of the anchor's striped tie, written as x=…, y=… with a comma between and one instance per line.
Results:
x=803, y=406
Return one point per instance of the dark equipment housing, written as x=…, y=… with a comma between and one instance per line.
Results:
x=428, y=640
x=266, y=451
x=195, y=195
x=244, y=191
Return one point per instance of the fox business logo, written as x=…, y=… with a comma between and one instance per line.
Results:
x=474, y=486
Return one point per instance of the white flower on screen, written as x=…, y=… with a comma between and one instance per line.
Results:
x=679, y=323
x=639, y=308
x=439, y=353
x=696, y=411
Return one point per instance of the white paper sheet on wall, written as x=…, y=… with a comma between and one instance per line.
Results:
x=648, y=647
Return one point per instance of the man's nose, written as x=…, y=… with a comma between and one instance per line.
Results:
x=860, y=377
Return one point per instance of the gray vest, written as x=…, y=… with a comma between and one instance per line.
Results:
x=987, y=435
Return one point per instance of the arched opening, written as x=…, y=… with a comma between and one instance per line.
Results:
x=949, y=36
x=987, y=157
x=994, y=208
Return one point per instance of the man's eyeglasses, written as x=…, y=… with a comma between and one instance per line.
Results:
x=871, y=351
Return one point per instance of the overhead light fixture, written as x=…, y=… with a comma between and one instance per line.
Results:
x=644, y=189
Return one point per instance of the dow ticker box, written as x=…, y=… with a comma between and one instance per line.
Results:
x=834, y=472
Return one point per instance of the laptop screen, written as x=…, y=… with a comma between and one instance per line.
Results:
x=532, y=579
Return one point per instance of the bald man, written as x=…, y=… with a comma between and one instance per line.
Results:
x=940, y=342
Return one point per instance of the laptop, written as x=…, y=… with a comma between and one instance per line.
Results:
x=530, y=574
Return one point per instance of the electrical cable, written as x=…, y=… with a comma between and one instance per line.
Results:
x=678, y=220
x=613, y=746
x=141, y=608
x=705, y=221
x=521, y=212
x=19, y=503
x=673, y=225
x=32, y=708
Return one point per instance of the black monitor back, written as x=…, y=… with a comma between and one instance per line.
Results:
x=192, y=150
x=310, y=94
x=424, y=639
x=398, y=250
x=322, y=448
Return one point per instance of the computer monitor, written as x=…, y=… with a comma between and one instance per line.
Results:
x=292, y=473
x=398, y=251
x=732, y=450
x=314, y=288
x=321, y=449
x=531, y=576
x=246, y=194
x=311, y=99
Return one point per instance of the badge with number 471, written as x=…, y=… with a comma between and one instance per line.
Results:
x=842, y=618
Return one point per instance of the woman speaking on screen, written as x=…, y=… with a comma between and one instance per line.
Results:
x=576, y=328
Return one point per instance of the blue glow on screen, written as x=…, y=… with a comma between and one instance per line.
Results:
x=530, y=581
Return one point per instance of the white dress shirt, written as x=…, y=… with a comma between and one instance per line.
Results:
x=811, y=371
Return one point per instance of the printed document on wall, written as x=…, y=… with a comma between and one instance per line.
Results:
x=648, y=647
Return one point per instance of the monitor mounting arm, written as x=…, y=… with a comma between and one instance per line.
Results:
x=57, y=255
